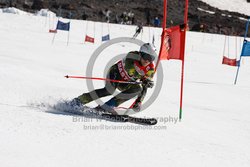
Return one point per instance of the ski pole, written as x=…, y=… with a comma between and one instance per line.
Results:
x=103, y=79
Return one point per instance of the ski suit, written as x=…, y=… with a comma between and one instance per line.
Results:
x=128, y=69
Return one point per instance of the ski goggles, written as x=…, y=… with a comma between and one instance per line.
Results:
x=146, y=56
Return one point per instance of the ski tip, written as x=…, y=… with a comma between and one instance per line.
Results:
x=66, y=76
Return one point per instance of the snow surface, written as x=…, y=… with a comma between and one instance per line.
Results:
x=14, y=11
x=240, y=6
x=214, y=131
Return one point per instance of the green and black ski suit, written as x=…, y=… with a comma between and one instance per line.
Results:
x=128, y=69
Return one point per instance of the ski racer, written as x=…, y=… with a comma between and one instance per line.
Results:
x=137, y=67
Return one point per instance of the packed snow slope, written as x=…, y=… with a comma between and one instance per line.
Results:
x=240, y=6
x=214, y=131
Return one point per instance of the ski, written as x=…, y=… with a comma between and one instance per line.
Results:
x=126, y=118
x=102, y=114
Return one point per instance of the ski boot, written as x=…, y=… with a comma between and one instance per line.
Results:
x=76, y=104
x=105, y=109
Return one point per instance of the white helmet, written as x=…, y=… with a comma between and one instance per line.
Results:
x=148, y=52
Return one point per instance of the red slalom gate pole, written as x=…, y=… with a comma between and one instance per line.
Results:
x=103, y=79
x=183, y=53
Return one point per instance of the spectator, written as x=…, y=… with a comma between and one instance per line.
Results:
x=133, y=20
x=107, y=13
x=157, y=22
x=130, y=17
x=117, y=20
x=198, y=27
x=124, y=17
x=84, y=16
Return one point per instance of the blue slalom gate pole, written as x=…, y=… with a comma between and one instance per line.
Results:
x=247, y=25
x=237, y=72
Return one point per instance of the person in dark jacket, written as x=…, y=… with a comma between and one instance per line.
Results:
x=138, y=30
